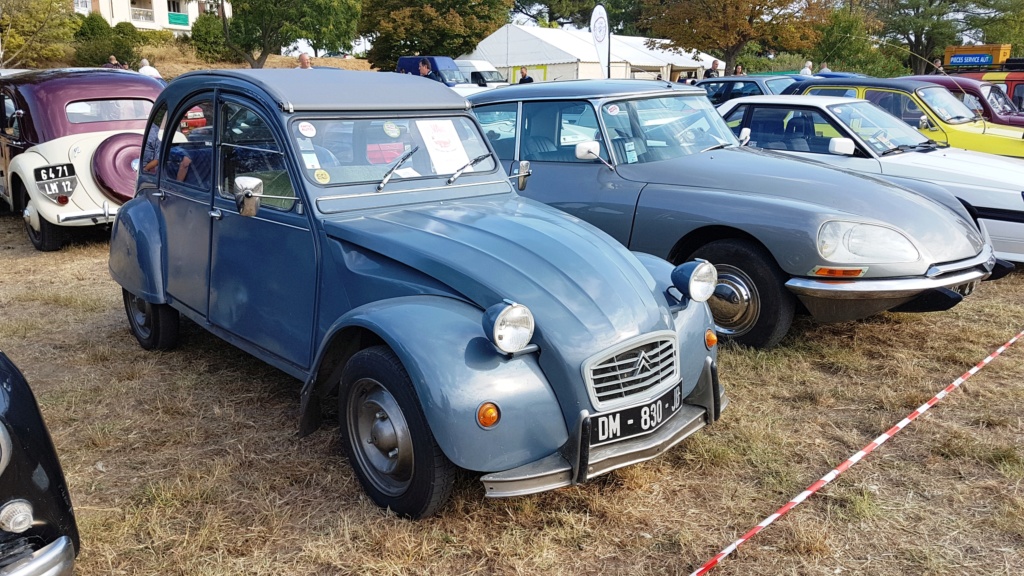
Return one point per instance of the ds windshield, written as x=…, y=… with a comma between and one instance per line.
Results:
x=945, y=105
x=662, y=128
x=337, y=151
x=876, y=127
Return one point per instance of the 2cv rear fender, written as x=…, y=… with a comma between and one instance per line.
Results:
x=135, y=257
x=454, y=369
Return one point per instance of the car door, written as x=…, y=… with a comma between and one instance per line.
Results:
x=587, y=189
x=263, y=268
x=186, y=185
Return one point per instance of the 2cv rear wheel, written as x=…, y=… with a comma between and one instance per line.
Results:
x=387, y=439
x=751, y=304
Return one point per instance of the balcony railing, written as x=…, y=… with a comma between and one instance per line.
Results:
x=142, y=15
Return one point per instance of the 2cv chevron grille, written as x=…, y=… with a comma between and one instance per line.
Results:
x=636, y=367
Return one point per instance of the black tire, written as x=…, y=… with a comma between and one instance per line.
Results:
x=49, y=237
x=155, y=326
x=387, y=439
x=751, y=305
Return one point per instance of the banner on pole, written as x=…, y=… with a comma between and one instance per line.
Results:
x=602, y=37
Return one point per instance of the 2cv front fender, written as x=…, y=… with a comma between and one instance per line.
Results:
x=454, y=369
x=136, y=250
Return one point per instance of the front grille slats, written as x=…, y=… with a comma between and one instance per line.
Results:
x=641, y=367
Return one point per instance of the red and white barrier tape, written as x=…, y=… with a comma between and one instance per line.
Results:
x=710, y=564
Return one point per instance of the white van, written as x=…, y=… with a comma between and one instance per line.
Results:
x=481, y=73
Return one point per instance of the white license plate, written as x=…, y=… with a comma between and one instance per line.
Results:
x=635, y=420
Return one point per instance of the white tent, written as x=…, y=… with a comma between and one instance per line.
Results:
x=559, y=54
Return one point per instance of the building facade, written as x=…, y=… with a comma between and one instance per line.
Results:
x=174, y=15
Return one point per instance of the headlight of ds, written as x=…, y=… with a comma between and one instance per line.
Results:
x=509, y=326
x=696, y=279
x=858, y=243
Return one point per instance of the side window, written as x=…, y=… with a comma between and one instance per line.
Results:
x=716, y=91
x=248, y=149
x=768, y=128
x=740, y=89
x=841, y=92
x=551, y=130
x=1018, y=95
x=734, y=119
x=896, y=103
x=190, y=157
x=499, y=124
x=578, y=123
x=154, y=135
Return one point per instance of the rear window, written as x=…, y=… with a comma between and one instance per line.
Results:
x=86, y=111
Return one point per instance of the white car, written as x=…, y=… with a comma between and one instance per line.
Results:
x=70, y=147
x=857, y=135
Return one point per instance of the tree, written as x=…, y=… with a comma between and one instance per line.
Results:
x=923, y=27
x=34, y=31
x=330, y=25
x=444, y=27
x=623, y=15
x=848, y=43
x=725, y=27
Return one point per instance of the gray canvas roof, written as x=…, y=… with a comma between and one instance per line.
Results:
x=323, y=89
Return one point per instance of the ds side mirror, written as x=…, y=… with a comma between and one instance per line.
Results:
x=591, y=150
x=247, y=195
x=744, y=136
x=841, y=147
x=524, y=173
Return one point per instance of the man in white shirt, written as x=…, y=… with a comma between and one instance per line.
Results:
x=145, y=68
x=304, y=62
x=806, y=70
x=824, y=67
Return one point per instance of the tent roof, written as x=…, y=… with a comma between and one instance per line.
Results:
x=514, y=45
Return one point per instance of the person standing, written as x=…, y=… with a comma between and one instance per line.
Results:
x=738, y=70
x=524, y=78
x=426, y=72
x=937, y=65
x=113, y=63
x=824, y=67
x=806, y=70
x=713, y=71
x=304, y=62
x=146, y=69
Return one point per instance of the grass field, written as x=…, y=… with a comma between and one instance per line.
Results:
x=187, y=462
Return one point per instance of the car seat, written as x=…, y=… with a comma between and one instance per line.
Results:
x=767, y=129
x=799, y=129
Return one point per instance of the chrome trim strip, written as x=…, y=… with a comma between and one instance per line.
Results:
x=56, y=559
x=106, y=214
x=985, y=256
x=878, y=289
x=5, y=447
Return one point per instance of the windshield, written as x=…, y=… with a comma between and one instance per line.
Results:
x=998, y=100
x=455, y=76
x=663, y=128
x=492, y=76
x=338, y=151
x=945, y=105
x=777, y=85
x=877, y=128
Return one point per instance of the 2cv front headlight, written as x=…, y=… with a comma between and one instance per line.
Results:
x=509, y=326
x=696, y=279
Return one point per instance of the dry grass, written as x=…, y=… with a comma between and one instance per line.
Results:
x=172, y=61
x=186, y=463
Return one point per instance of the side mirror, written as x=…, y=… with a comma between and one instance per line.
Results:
x=588, y=150
x=924, y=124
x=744, y=136
x=247, y=195
x=524, y=173
x=841, y=146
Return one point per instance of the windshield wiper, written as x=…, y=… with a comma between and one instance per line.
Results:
x=396, y=166
x=715, y=147
x=471, y=163
x=900, y=148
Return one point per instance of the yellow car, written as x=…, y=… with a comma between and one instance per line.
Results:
x=938, y=115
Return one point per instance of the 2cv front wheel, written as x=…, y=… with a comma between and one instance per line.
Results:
x=155, y=326
x=387, y=439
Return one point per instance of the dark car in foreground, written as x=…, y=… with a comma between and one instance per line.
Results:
x=656, y=167
x=38, y=533
x=370, y=245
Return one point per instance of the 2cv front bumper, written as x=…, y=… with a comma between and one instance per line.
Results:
x=55, y=559
x=576, y=461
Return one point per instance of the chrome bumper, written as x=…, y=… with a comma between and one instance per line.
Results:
x=577, y=461
x=106, y=215
x=56, y=559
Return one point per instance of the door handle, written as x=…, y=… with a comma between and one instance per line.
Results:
x=216, y=214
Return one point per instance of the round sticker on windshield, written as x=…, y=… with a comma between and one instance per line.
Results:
x=322, y=176
x=392, y=129
x=307, y=129
x=613, y=110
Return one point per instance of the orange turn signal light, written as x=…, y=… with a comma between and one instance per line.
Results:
x=487, y=415
x=710, y=338
x=839, y=272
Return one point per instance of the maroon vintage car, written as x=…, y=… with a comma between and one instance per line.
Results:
x=70, y=145
x=985, y=98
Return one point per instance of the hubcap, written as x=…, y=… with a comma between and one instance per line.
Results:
x=736, y=304
x=139, y=310
x=380, y=437
x=31, y=218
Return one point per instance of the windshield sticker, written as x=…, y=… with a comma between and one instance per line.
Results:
x=407, y=173
x=307, y=129
x=613, y=110
x=304, y=143
x=392, y=129
x=443, y=145
x=310, y=160
x=630, y=152
x=322, y=176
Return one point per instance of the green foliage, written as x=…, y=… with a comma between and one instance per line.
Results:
x=157, y=37
x=848, y=44
x=444, y=27
x=922, y=27
x=93, y=26
x=34, y=32
x=623, y=15
x=1005, y=28
x=95, y=52
x=329, y=25
x=259, y=28
x=208, y=38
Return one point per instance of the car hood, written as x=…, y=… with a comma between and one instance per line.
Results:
x=960, y=166
x=586, y=291
x=944, y=235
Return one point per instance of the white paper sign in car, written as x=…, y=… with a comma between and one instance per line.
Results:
x=443, y=144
